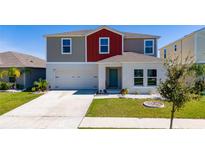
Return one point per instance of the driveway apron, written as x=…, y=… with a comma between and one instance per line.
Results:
x=55, y=109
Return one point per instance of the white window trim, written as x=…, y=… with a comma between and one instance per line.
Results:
x=70, y=46
x=104, y=45
x=152, y=46
x=152, y=77
x=139, y=77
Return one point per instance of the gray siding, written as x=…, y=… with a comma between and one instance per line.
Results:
x=54, y=50
x=28, y=78
x=137, y=45
x=34, y=75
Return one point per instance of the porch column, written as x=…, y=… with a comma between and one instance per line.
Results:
x=101, y=77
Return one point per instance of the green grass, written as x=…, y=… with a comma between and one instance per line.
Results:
x=10, y=101
x=134, y=108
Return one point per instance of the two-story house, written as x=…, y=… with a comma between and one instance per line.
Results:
x=103, y=58
x=191, y=46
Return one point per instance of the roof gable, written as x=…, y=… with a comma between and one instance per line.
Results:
x=104, y=27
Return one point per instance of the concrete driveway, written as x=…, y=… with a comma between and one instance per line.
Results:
x=56, y=109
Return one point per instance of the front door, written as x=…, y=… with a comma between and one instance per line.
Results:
x=113, y=78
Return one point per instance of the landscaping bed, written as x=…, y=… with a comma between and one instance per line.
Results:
x=10, y=101
x=115, y=107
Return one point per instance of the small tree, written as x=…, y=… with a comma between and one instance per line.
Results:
x=11, y=72
x=178, y=85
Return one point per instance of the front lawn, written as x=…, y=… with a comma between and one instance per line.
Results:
x=134, y=108
x=10, y=101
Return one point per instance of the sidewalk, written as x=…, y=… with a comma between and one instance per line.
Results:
x=133, y=96
x=108, y=122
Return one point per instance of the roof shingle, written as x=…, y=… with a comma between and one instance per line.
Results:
x=85, y=32
x=131, y=57
x=15, y=59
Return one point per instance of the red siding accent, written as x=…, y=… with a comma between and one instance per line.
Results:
x=93, y=45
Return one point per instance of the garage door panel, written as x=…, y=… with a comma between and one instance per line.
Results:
x=76, y=78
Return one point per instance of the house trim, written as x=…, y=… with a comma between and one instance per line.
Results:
x=71, y=63
x=103, y=63
x=62, y=46
x=122, y=44
x=86, y=52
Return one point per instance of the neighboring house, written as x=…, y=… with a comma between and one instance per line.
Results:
x=103, y=58
x=191, y=45
x=33, y=67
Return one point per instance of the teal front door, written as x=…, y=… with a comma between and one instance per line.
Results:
x=113, y=78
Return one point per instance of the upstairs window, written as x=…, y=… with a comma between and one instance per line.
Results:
x=138, y=77
x=165, y=53
x=175, y=48
x=151, y=77
x=149, y=47
x=66, y=46
x=104, y=45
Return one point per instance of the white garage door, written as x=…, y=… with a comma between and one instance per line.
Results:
x=76, y=77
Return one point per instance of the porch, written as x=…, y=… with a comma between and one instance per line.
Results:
x=110, y=77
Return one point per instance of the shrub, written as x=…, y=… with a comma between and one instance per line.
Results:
x=33, y=89
x=19, y=86
x=5, y=86
x=40, y=85
x=124, y=91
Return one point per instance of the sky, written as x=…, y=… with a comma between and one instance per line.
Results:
x=29, y=39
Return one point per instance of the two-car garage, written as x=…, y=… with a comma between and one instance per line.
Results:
x=72, y=76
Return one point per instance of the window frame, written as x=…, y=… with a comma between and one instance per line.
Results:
x=139, y=78
x=66, y=53
x=175, y=47
x=149, y=46
x=100, y=52
x=151, y=78
x=165, y=53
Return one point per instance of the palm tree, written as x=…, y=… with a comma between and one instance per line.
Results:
x=41, y=85
x=12, y=72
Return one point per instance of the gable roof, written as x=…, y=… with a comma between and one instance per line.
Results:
x=15, y=59
x=90, y=31
x=131, y=57
x=105, y=27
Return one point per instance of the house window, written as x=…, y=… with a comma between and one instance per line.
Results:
x=151, y=77
x=165, y=53
x=12, y=79
x=175, y=48
x=104, y=45
x=66, y=46
x=138, y=77
x=149, y=47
